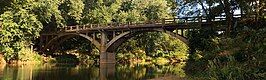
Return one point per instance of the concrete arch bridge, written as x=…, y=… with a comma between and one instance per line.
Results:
x=107, y=37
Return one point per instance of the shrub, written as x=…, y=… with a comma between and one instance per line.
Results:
x=26, y=54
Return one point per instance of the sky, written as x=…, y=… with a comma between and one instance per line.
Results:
x=192, y=10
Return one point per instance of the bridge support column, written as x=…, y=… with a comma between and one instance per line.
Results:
x=105, y=57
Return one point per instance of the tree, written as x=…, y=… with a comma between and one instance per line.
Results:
x=23, y=20
x=102, y=12
x=19, y=28
x=213, y=8
x=72, y=11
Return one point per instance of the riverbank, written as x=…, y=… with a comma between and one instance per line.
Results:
x=240, y=57
x=2, y=60
x=2, y=65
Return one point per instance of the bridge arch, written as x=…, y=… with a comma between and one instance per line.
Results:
x=68, y=36
x=112, y=45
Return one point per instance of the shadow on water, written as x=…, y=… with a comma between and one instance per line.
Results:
x=92, y=72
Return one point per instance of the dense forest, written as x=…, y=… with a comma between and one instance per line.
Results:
x=238, y=53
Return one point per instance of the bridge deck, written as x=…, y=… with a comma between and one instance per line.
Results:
x=181, y=23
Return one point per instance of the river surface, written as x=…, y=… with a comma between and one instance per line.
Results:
x=92, y=72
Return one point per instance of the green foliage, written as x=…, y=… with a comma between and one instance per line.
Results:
x=26, y=54
x=101, y=12
x=72, y=9
x=81, y=50
x=18, y=26
x=100, y=15
x=4, y=5
x=161, y=61
x=126, y=11
x=202, y=40
x=22, y=21
x=48, y=12
x=143, y=71
x=156, y=9
x=228, y=71
x=240, y=57
x=129, y=16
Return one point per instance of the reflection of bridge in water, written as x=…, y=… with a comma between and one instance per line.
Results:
x=107, y=37
x=56, y=72
x=90, y=72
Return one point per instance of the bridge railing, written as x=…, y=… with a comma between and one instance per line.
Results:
x=184, y=20
x=110, y=25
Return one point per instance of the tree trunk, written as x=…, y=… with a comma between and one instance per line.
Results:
x=228, y=15
x=208, y=14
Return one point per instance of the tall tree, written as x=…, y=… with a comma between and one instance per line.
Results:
x=19, y=27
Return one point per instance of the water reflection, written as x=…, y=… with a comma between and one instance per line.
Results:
x=1, y=70
x=137, y=72
x=90, y=72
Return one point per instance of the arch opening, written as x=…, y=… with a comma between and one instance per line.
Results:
x=149, y=45
x=118, y=40
x=77, y=48
x=64, y=37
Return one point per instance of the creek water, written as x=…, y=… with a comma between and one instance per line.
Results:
x=92, y=72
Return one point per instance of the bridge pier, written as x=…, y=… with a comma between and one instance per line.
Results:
x=105, y=57
x=107, y=71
